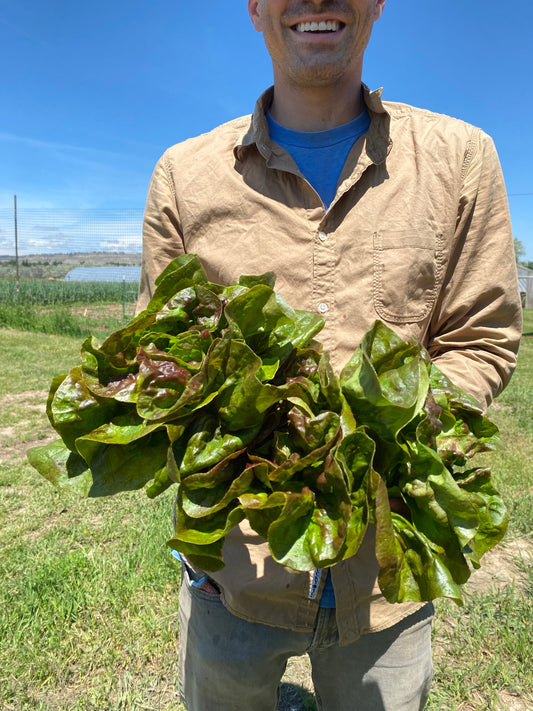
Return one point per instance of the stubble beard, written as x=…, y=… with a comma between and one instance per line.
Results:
x=315, y=68
x=318, y=73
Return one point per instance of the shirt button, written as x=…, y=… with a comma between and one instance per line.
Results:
x=322, y=236
x=322, y=307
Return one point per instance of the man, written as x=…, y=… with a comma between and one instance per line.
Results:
x=365, y=210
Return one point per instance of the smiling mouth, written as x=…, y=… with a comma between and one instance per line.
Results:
x=322, y=26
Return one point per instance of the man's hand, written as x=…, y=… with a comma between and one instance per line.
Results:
x=209, y=587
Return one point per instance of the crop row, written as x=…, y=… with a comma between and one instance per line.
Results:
x=45, y=292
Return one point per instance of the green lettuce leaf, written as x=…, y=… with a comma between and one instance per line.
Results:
x=223, y=392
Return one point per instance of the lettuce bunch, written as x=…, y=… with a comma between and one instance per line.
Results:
x=223, y=391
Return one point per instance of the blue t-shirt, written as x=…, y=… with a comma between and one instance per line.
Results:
x=320, y=155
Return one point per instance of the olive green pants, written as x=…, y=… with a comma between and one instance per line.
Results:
x=229, y=664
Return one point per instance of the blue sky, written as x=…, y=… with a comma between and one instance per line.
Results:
x=93, y=93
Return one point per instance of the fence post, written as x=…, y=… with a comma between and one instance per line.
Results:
x=124, y=297
x=17, y=285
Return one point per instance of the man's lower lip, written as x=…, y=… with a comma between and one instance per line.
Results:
x=319, y=35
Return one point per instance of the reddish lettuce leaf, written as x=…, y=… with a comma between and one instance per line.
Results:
x=223, y=391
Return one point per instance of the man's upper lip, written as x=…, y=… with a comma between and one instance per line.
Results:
x=293, y=21
x=315, y=18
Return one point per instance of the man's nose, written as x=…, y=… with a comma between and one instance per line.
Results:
x=320, y=2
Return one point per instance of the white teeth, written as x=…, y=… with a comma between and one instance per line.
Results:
x=322, y=26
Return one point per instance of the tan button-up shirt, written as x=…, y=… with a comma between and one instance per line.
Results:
x=418, y=236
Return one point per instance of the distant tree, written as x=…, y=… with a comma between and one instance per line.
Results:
x=519, y=250
x=529, y=265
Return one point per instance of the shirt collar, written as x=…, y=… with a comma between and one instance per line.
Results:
x=378, y=137
x=257, y=131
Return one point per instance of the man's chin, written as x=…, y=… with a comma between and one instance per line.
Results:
x=317, y=76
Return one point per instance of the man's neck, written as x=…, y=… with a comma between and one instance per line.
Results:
x=316, y=109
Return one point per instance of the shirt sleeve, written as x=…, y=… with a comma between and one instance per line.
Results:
x=476, y=328
x=162, y=234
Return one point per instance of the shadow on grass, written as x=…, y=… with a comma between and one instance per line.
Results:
x=295, y=698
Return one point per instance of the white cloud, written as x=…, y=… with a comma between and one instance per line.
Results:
x=85, y=152
x=49, y=231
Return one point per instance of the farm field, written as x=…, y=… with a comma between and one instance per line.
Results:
x=71, y=308
x=56, y=266
x=88, y=601
x=44, y=292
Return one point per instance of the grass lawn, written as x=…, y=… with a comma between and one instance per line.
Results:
x=88, y=600
x=88, y=596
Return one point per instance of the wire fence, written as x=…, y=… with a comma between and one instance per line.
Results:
x=50, y=255
x=525, y=284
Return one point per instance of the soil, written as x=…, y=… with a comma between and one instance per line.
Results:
x=34, y=399
x=503, y=566
x=14, y=440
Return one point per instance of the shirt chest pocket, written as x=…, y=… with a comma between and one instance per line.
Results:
x=407, y=274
